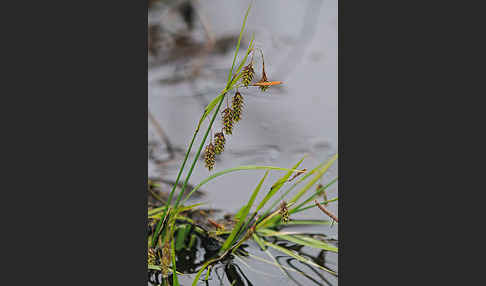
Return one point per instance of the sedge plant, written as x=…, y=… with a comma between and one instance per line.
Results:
x=257, y=221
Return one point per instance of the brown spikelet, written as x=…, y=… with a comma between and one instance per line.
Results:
x=152, y=256
x=247, y=74
x=324, y=195
x=166, y=258
x=284, y=212
x=209, y=156
x=237, y=105
x=264, y=75
x=228, y=121
x=264, y=79
x=219, y=143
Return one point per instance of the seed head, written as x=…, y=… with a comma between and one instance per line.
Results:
x=237, y=105
x=284, y=212
x=152, y=256
x=228, y=121
x=264, y=75
x=166, y=258
x=219, y=143
x=247, y=74
x=209, y=156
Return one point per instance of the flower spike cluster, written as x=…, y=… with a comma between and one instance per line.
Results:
x=233, y=114
x=237, y=105
x=209, y=155
x=219, y=141
x=284, y=212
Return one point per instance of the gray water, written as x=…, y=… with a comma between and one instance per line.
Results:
x=299, y=41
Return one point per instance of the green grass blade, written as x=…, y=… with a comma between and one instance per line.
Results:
x=238, y=43
x=298, y=257
x=319, y=174
x=171, y=194
x=154, y=215
x=196, y=158
x=308, y=222
x=210, y=108
x=278, y=185
x=313, y=196
x=236, y=229
x=314, y=205
x=198, y=275
x=175, y=280
x=276, y=262
x=308, y=174
x=259, y=241
x=182, y=233
x=243, y=262
x=273, y=263
x=156, y=210
x=250, y=48
x=300, y=239
x=154, y=267
x=240, y=168
x=239, y=214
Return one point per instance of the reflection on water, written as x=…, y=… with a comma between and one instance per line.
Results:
x=246, y=268
x=190, y=53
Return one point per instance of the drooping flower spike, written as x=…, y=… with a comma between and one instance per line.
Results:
x=209, y=156
x=284, y=212
x=219, y=142
x=237, y=105
x=264, y=79
x=247, y=73
x=228, y=121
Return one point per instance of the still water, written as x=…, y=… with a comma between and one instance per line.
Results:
x=299, y=42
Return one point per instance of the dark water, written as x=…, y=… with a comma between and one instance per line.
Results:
x=299, y=41
x=248, y=266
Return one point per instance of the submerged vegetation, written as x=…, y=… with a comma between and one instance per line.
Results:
x=177, y=230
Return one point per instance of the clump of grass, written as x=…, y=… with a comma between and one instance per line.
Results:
x=253, y=221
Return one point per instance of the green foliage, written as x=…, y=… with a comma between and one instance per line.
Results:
x=175, y=228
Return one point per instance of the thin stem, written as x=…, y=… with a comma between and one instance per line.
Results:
x=169, y=200
x=324, y=210
x=313, y=206
x=198, y=152
x=317, y=193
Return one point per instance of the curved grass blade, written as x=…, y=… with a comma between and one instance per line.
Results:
x=313, y=205
x=153, y=214
x=175, y=280
x=308, y=174
x=198, y=275
x=313, y=196
x=253, y=269
x=250, y=48
x=319, y=174
x=236, y=229
x=308, y=222
x=298, y=257
x=196, y=158
x=239, y=41
x=273, y=263
x=240, y=168
x=210, y=108
x=277, y=186
x=300, y=239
